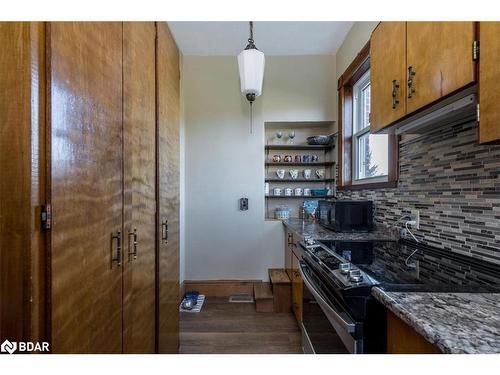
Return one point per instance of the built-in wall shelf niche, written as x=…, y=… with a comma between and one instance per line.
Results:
x=294, y=168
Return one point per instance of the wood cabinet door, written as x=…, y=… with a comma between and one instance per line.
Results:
x=168, y=80
x=139, y=126
x=85, y=112
x=387, y=74
x=22, y=185
x=297, y=286
x=440, y=57
x=489, y=76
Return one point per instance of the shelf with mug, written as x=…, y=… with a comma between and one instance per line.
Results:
x=298, y=147
x=311, y=164
x=298, y=196
x=322, y=180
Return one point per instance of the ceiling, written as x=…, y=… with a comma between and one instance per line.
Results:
x=272, y=38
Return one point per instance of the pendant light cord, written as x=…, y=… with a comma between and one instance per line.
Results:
x=251, y=118
x=251, y=32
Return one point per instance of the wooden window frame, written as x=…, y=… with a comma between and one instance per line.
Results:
x=359, y=66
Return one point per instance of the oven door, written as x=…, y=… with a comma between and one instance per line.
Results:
x=326, y=326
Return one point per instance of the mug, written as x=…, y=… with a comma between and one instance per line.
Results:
x=320, y=173
x=277, y=191
x=298, y=158
x=314, y=158
x=288, y=158
x=307, y=174
x=276, y=158
x=307, y=192
x=288, y=192
x=294, y=173
x=299, y=191
x=306, y=158
x=280, y=173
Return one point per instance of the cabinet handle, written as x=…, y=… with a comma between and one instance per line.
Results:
x=134, y=243
x=164, y=231
x=395, y=88
x=411, y=88
x=118, y=238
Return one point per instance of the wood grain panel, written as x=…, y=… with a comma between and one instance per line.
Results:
x=441, y=55
x=15, y=192
x=387, y=64
x=139, y=124
x=22, y=162
x=489, y=76
x=297, y=290
x=402, y=339
x=38, y=181
x=86, y=172
x=168, y=81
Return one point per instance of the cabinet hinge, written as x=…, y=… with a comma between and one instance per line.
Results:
x=46, y=216
x=475, y=50
x=477, y=113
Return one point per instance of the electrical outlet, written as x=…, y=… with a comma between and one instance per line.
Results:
x=415, y=216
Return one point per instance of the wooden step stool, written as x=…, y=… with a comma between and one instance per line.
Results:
x=282, y=290
x=264, y=299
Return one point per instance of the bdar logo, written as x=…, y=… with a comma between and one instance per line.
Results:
x=8, y=347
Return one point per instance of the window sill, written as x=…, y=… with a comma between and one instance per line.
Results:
x=370, y=186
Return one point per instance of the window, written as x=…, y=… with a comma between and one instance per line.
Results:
x=370, y=152
x=366, y=161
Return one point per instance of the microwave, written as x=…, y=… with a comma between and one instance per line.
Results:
x=346, y=215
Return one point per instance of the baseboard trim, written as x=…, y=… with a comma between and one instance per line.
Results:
x=221, y=288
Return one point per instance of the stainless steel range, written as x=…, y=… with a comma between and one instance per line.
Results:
x=339, y=313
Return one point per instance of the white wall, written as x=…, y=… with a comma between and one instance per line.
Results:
x=224, y=162
x=355, y=40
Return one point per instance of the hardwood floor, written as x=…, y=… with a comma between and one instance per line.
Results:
x=228, y=328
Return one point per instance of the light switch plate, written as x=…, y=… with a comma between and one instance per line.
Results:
x=243, y=204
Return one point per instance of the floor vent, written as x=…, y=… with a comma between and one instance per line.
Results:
x=241, y=298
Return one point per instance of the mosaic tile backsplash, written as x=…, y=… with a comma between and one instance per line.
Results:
x=455, y=184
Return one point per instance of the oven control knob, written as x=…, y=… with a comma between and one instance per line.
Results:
x=310, y=241
x=355, y=276
x=345, y=268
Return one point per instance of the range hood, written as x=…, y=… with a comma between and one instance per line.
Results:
x=458, y=108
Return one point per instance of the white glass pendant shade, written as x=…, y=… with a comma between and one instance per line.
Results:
x=251, y=66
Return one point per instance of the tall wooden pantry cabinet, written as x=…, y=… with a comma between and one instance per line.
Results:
x=89, y=204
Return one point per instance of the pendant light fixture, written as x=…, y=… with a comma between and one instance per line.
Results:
x=251, y=66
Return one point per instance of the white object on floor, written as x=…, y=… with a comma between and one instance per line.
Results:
x=197, y=307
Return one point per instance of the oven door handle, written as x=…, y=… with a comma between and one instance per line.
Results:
x=348, y=326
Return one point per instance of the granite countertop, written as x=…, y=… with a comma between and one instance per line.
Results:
x=454, y=322
x=317, y=232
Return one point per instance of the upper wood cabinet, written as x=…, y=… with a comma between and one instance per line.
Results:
x=388, y=74
x=414, y=64
x=439, y=60
x=489, y=76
